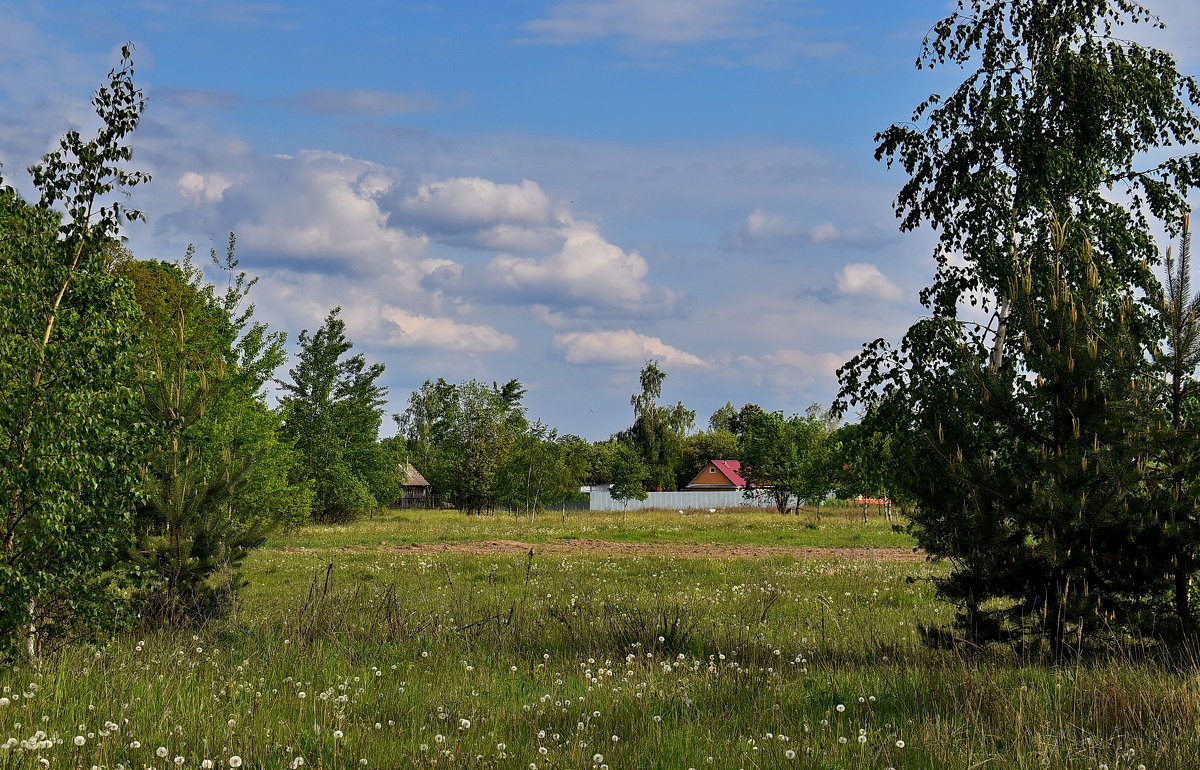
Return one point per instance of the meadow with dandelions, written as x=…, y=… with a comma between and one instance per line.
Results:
x=384, y=644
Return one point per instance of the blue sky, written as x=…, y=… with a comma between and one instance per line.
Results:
x=552, y=190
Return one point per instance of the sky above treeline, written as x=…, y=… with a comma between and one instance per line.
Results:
x=548, y=190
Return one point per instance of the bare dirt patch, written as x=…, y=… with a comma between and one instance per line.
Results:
x=589, y=547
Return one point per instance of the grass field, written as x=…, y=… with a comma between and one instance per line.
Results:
x=838, y=528
x=371, y=646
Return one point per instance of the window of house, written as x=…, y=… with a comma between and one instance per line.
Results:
x=712, y=470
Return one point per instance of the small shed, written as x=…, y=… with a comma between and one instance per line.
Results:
x=417, y=491
x=719, y=475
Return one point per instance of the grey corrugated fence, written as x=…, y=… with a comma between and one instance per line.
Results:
x=601, y=500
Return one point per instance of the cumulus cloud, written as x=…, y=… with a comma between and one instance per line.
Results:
x=322, y=206
x=203, y=188
x=762, y=224
x=362, y=101
x=623, y=347
x=480, y=213
x=588, y=274
x=862, y=278
x=342, y=230
x=412, y=331
x=472, y=203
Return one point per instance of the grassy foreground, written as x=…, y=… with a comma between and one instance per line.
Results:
x=348, y=653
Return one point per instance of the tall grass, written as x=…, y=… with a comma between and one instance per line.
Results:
x=381, y=658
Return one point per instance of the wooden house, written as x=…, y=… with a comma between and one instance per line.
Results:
x=719, y=475
x=417, y=491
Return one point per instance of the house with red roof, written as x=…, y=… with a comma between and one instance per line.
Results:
x=718, y=475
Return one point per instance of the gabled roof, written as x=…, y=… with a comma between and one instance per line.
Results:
x=732, y=470
x=414, y=477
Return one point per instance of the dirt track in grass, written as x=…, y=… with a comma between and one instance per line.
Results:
x=589, y=547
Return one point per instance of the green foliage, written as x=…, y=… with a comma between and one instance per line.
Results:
x=1027, y=436
x=1175, y=475
x=869, y=460
x=734, y=420
x=542, y=469
x=216, y=482
x=627, y=473
x=1035, y=484
x=658, y=431
x=461, y=437
x=475, y=446
x=699, y=448
x=1060, y=109
x=788, y=459
x=70, y=438
x=332, y=409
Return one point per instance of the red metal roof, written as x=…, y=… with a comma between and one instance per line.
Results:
x=732, y=470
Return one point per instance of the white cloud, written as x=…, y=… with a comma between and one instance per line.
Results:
x=587, y=273
x=623, y=347
x=412, y=330
x=469, y=203
x=203, y=188
x=481, y=214
x=760, y=225
x=322, y=206
x=865, y=279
